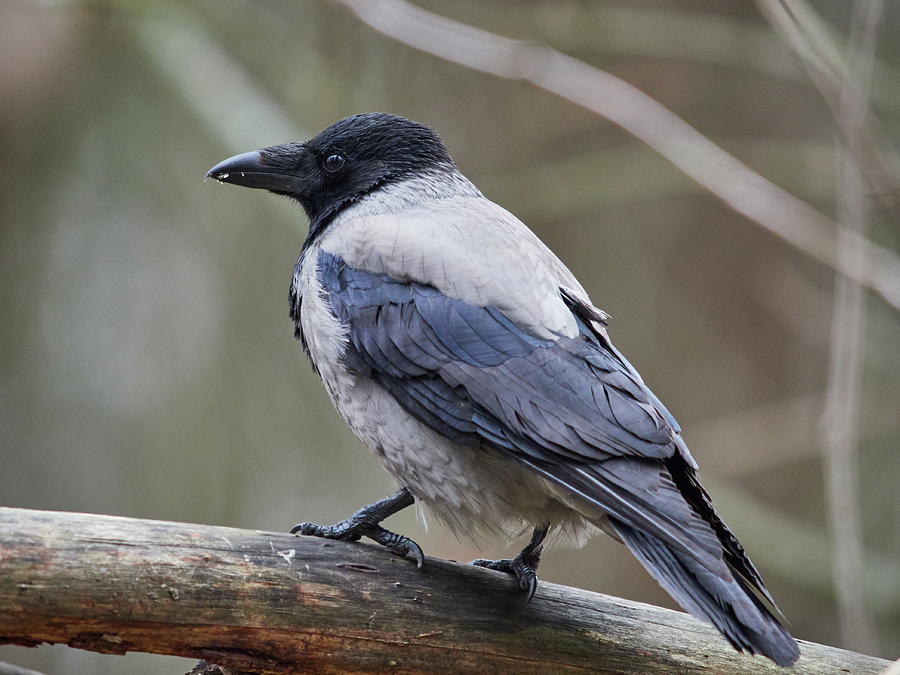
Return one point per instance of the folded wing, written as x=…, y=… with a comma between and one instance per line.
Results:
x=571, y=408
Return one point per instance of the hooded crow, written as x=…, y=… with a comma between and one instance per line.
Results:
x=470, y=360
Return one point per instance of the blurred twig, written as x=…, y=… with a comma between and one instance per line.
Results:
x=218, y=88
x=677, y=34
x=808, y=36
x=842, y=401
x=744, y=190
x=586, y=183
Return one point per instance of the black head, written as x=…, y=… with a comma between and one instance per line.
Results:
x=346, y=161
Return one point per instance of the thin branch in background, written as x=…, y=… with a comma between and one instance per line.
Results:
x=676, y=33
x=604, y=94
x=842, y=399
x=810, y=39
x=197, y=65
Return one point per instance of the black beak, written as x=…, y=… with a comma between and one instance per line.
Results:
x=247, y=170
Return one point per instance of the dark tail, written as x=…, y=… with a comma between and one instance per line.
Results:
x=728, y=604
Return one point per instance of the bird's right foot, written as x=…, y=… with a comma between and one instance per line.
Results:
x=524, y=565
x=366, y=523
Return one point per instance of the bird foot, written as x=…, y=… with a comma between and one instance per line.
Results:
x=525, y=571
x=523, y=566
x=365, y=523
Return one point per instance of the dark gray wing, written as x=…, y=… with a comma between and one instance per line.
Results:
x=570, y=408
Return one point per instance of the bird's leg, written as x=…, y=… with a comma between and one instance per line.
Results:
x=366, y=523
x=524, y=565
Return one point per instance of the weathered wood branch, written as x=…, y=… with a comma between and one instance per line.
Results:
x=274, y=603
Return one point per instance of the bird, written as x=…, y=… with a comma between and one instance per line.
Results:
x=463, y=352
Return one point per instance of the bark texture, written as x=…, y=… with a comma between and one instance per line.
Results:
x=268, y=602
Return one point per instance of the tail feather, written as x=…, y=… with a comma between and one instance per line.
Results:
x=725, y=602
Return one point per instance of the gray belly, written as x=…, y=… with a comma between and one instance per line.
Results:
x=471, y=489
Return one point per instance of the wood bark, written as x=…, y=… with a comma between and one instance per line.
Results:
x=269, y=602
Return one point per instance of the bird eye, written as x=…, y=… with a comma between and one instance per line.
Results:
x=334, y=163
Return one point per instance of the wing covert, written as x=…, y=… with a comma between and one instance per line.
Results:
x=567, y=395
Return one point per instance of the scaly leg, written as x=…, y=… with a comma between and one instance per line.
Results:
x=366, y=523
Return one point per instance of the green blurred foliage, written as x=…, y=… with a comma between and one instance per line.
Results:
x=149, y=367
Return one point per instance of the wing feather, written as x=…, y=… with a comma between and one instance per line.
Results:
x=568, y=407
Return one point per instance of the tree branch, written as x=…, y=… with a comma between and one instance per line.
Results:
x=274, y=603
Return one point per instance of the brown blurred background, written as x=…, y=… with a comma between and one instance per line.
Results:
x=148, y=365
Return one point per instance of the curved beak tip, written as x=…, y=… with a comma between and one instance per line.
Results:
x=247, y=170
x=218, y=176
x=247, y=161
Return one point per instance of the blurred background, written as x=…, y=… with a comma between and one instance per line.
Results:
x=149, y=367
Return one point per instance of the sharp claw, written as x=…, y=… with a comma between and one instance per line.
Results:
x=416, y=550
x=524, y=573
x=397, y=544
x=529, y=585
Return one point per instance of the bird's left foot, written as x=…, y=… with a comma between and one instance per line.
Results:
x=524, y=565
x=366, y=523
